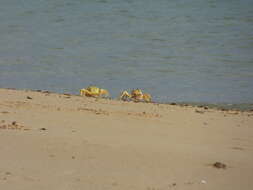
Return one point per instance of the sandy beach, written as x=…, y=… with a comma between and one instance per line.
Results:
x=67, y=142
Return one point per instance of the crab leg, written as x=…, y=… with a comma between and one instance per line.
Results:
x=124, y=95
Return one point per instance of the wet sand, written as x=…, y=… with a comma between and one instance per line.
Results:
x=56, y=141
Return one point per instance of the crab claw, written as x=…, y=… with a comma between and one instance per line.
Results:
x=147, y=97
x=104, y=92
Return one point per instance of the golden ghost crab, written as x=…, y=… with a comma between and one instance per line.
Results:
x=94, y=91
x=136, y=95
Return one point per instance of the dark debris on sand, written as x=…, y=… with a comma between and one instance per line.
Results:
x=219, y=165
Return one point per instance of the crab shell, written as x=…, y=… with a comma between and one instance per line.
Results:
x=94, y=91
x=137, y=94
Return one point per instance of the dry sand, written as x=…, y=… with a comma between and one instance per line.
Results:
x=66, y=142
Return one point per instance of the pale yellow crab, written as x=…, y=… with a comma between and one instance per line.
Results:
x=94, y=91
x=136, y=95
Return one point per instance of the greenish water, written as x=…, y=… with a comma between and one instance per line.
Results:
x=197, y=51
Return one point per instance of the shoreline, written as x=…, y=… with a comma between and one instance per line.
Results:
x=63, y=141
x=241, y=107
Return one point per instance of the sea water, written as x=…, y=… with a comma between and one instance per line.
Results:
x=197, y=51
